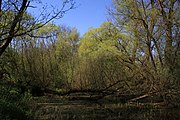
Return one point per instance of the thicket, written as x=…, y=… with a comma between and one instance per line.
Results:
x=136, y=53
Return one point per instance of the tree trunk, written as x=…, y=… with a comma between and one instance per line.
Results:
x=17, y=19
x=167, y=18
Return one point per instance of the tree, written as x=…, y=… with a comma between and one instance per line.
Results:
x=17, y=11
x=66, y=54
x=152, y=26
x=169, y=13
x=145, y=20
x=100, y=59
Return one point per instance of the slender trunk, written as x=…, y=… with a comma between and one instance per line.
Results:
x=167, y=18
x=149, y=55
x=158, y=51
x=168, y=48
x=152, y=24
x=149, y=50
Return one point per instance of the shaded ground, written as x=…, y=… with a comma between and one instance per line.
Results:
x=58, y=108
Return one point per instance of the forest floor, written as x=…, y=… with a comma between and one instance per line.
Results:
x=111, y=108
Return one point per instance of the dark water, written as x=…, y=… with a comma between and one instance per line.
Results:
x=80, y=110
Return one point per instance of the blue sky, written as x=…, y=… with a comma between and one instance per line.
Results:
x=89, y=13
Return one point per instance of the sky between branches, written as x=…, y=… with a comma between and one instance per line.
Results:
x=87, y=14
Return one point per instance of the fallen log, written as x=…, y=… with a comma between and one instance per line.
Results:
x=73, y=91
x=138, y=98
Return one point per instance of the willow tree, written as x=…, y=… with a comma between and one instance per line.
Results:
x=101, y=59
x=154, y=25
x=66, y=55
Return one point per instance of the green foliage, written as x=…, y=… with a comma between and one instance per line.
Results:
x=14, y=105
x=66, y=53
x=99, y=41
x=98, y=55
x=44, y=62
x=151, y=46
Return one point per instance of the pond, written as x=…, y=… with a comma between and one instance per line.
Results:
x=60, y=109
